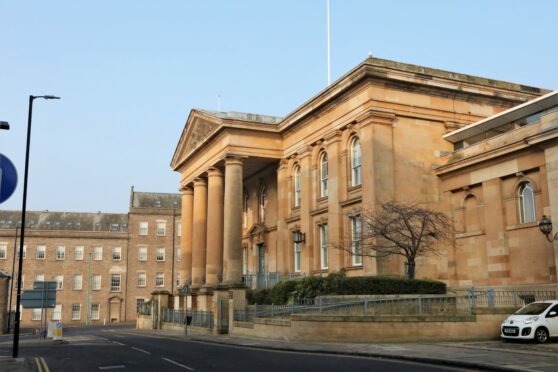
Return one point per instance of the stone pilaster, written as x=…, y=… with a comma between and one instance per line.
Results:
x=214, y=257
x=232, y=224
x=186, y=240
x=199, y=232
x=283, y=241
x=335, y=214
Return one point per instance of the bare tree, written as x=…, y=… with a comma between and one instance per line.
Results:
x=408, y=230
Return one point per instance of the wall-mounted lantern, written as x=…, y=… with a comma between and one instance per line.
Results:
x=298, y=237
x=545, y=225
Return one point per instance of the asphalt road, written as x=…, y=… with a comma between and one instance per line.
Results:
x=106, y=349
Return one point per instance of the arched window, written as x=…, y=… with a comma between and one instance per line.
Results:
x=356, y=164
x=296, y=186
x=526, y=202
x=323, y=175
x=262, y=200
x=245, y=209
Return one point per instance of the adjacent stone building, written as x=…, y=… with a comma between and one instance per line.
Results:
x=264, y=197
x=105, y=264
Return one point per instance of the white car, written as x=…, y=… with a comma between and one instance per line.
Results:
x=537, y=321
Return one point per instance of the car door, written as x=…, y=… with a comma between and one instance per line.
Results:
x=552, y=320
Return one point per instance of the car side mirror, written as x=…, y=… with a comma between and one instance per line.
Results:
x=552, y=314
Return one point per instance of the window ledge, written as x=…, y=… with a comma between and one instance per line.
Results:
x=354, y=267
x=320, y=271
x=522, y=226
x=468, y=234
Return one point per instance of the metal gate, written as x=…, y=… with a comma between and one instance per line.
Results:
x=223, y=316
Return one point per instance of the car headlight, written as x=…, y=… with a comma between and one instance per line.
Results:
x=531, y=319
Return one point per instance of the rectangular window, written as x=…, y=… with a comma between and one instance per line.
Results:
x=161, y=228
x=116, y=253
x=24, y=252
x=159, y=280
x=141, y=279
x=41, y=252
x=178, y=254
x=39, y=277
x=97, y=253
x=37, y=314
x=179, y=229
x=78, y=253
x=77, y=282
x=115, y=282
x=143, y=228
x=3, y=251
x=59, y=279
x=96, y=282
x=356, y=228
x=57, y=312
x=297, y=257
x=142, y=253
x=76, y=311
x=160, y=257
x=323, y=246
x=95, y=311
x=114, y=227
x=177, y=280
x=60, y=252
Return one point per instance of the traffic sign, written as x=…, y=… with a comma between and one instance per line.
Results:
x=8, y=178
x=38, y=299
x=47, y=286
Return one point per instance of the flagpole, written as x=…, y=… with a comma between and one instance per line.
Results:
x=328, y=48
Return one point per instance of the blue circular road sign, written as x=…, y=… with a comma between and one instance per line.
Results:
x=8, y=178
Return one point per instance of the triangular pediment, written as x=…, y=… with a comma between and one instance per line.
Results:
x=199, y=127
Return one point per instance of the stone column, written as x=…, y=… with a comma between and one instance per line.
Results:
x=232, y=224
x=283, y=241
x=335, y=193
x=214, y=257
x=186, y=239
x=199, y=232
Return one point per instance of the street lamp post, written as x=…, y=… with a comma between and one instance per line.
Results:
x=23, y=209
x=12, y=282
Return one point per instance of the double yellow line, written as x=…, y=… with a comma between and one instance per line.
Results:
x=41, y=364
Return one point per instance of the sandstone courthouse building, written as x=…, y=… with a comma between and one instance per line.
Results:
x=263, y=198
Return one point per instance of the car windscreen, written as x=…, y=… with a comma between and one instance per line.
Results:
x=533, y=309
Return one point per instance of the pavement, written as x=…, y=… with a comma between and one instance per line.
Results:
x=481, y=355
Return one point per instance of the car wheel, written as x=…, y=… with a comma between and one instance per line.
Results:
x=541, y=335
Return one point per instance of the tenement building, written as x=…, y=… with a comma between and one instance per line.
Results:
x=265, y=198
x=105, y=264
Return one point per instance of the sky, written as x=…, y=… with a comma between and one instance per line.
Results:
x=129, y=72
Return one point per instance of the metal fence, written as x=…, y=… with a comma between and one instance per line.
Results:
x=448, y=305
x=199, y=318
x=144, y=309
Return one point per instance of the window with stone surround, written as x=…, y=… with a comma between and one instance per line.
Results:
x=60, y=252
x=179, y=229
x=526, y=202
x=356, y=228
x=37, y=314
x=77, y=282
x=40, y=277
x=296, y=187
x=78, y=253
x=143, y=228
x=76, y=311
x=59, y=279
x=41, y=252
x=323, y=175
x=323, y=246
x=262, y=201
x=115, y=283
x=159, y=280
x=96, y=282
x=356, y=163
x=116, y=253
x=142, y=253
x=97, y=253
x=57, y=312
x=161, y=228
x=95, y=311
x=297, y=256
x=24, y=252
x=178, y=254
x=3, y=251
x=160, y=255
x=141, y=280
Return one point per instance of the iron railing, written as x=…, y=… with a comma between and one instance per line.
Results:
x=202, y=319
x=266, y=280
x=507, y=298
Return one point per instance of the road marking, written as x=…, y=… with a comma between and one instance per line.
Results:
x=118, y=343
x=178, y=364
x=118, y=366
x=38, y=365
x=119, y=336
x=141, y=350
x=44, y=364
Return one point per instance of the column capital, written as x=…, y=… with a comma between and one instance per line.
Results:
x=333, y=137
x=233, y=160
x=376, y=116
x=214, y=172
x=200, y=182
x=187, y=189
